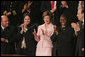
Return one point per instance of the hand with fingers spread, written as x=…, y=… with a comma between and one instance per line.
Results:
x=37, y=37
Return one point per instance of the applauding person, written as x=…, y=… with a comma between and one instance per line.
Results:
x=45, y=31
x=26, y=42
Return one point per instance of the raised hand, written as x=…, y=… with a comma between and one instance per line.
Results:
x=2, y=39
x=37, y=38
x=73, y=25
x=34, y=32
x=25, y=6
x=76, y=27
x=22, y=29
x=55, y=29
x=9, y=13
x=53, y=10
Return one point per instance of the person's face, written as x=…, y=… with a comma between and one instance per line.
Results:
x=63, y=2
x=62, y=21
x=80, y=15
x=4, y=21
x=27, y=20
x=47, y=19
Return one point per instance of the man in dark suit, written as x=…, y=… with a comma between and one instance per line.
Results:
x=63, y=45
x=79, y=31
x=7, y=36
x=26, y=44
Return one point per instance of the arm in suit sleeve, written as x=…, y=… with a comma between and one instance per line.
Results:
x=54, y=37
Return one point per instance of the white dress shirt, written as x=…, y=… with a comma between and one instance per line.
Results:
x=2, y=27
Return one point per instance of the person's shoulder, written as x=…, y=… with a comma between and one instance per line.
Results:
x=20, y=25
x=11, y=27
x=41, y=26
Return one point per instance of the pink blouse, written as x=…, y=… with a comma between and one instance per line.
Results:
x=45, y=40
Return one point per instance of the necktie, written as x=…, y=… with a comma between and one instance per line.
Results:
x=52, y=5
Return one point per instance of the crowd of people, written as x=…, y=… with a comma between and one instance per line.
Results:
x=42, y=28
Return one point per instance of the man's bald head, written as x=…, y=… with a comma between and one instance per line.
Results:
x=4, y=21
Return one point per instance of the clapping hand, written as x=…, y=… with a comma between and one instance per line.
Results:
x=23, y=28
x=75, y=26
x=4, y=40
x=55, y=29
x=34, y=32
x=37, y=37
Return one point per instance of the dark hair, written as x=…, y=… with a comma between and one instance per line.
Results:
x=26, y=14
x=64, y=16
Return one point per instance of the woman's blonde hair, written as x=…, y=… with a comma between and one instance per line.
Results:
x=47, y=13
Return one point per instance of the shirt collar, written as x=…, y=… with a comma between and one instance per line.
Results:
x=2, y=27
x=83, y=21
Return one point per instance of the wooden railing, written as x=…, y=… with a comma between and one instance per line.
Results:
x=12, y=55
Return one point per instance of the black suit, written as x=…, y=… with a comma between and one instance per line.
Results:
x=30, y=42
x=8, y=33
x=64, y=42
x=80, y=43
